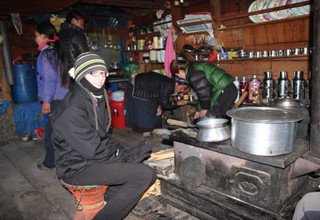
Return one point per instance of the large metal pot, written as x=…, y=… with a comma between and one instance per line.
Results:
x=213, y=130
x=263, y=131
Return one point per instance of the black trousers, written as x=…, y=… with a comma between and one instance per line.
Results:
x=225, y=101
x=127, y=182
x=49, y=158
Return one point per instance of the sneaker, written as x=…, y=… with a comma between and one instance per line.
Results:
x=40, y=133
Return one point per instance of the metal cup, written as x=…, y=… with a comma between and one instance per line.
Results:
x=280, y=52
x=265, y=53
x=297, y=51
x=259, y=54
x=288, y=52
x=252, y=54
x=273, y=53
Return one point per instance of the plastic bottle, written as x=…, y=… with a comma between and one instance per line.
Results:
x=254, y=86
x=244, y=87
x=236, y=82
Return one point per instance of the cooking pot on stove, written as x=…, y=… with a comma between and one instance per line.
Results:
x=263, y=131
x=208, y=129
x=213, y=130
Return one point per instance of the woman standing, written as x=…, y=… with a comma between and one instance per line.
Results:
x=52, y=79
x=213, y=86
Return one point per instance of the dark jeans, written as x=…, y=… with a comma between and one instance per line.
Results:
x=127, y=182
x=225, y=101
x=49, y=158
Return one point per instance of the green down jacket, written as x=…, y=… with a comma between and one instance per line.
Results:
x=208, y=81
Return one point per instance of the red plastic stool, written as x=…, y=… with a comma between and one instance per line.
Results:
x=89, y=199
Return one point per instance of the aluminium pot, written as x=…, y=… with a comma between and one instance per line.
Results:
x=208, y=129
x=263, y=131
x=213, y=130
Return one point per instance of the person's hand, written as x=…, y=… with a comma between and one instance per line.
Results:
x=139, y=153
x=180, y=88
x=159, y=111
x=182, y=102
x=200, y=114
x=45, y=108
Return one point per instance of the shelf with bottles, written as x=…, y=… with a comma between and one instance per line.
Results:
x=271, y=88
x=262, y=17
x=148, y=35
x=142, y=51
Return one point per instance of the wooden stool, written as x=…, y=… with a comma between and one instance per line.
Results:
x=89, y=199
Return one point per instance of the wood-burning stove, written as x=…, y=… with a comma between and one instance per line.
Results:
x=235, y=185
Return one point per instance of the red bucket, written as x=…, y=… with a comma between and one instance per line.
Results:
x=118, y=117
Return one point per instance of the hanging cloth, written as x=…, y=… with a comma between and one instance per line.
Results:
x=170, y=53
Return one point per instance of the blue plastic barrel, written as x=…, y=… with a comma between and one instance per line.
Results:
x=25, y=88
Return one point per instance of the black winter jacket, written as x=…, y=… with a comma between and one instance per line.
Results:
x=152, y=85
x=73, y=41
x=80, y=135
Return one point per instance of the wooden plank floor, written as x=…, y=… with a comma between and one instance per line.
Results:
x=29, y=192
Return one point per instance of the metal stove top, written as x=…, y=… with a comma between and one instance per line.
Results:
x=224, y=147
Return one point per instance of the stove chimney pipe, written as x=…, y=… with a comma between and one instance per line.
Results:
x=315, y=95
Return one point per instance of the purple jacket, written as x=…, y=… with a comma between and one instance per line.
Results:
x=48, y=76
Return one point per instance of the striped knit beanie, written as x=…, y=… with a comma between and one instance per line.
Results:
x=86, y=63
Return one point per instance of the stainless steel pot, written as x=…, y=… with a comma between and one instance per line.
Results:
x=263, y=131
x=213, y=130
x=209, y=129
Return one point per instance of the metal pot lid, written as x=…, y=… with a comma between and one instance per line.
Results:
x=264, y=115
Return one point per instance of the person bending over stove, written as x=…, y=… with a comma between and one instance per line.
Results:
x=147, y=95
x=85, y=154
x=213, y=86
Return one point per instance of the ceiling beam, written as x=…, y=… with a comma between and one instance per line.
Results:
x=128, y=4
x=32, y=7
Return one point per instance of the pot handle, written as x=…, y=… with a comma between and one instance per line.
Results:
x=180, y=123
x=241, y=99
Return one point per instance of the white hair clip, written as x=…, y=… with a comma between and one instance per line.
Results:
x=72, y=72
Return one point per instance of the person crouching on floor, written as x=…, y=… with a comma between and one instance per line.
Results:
x=85, y=154
x=147, y=96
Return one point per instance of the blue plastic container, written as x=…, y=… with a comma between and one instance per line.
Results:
x=25, y=88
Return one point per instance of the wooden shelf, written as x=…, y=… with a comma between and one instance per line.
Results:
x=199, y=53
x=301, y=57
x=194, y=23
x=261, y=23
x=140, y=51
x=243, y=15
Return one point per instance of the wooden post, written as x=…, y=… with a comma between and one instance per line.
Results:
x=315, y=78
x=5, y=91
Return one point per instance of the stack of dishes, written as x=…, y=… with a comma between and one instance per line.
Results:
x=259, y=5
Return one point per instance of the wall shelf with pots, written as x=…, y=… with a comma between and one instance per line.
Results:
x=300, y=57
x=237, y=30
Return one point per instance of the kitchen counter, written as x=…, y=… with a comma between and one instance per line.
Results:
x=282, y=161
